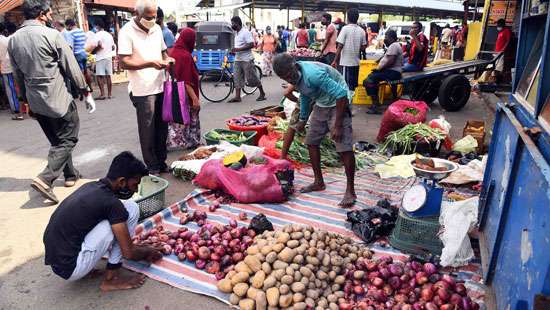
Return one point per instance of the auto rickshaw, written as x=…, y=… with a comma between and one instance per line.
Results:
x=214, y=42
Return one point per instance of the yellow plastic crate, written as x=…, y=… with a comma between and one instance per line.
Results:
x=360, y=96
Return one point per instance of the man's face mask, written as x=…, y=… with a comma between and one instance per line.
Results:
x=147, y=23
x=234, y=27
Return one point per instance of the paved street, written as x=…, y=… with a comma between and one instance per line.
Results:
x=25, y=283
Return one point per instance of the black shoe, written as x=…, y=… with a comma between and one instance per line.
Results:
x=373, y=110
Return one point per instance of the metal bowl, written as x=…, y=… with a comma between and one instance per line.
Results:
x=436, y=175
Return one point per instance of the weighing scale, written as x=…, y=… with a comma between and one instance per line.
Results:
x=425, y=199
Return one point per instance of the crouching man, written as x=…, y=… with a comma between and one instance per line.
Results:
x=93, y=222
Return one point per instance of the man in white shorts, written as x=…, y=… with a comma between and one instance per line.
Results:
x=104, y=52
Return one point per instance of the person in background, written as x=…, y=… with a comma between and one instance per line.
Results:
x=174, y=29
x=104, y=53
x=503, y=40
x=381, y=34
x=328, y=48
x=99, y=219
x=77, y=40
x=302, y=37
x=417, y=55
x=60, y=26
x=339, y=24
x=7, y=73
x=244, y=61
x=286, y=36
x=142, y=52
x=351, y=40
x=312, y=34
x=186, y=136
x=389, y=69
x=267, y=46
x=169, y=38
x=446, y=36
x=37, y=51
x=325, y=101
x=370, y=36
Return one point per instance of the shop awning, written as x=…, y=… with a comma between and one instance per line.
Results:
x=127, y=4
x=6, y=5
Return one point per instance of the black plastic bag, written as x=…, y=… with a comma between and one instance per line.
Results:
x=373, y=223
x=260, y=223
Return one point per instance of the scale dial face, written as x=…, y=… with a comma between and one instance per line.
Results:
x=414, y=198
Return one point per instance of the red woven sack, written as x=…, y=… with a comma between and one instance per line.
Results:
x=398, y=115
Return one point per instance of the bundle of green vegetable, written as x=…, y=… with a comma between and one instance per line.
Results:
x=230, y=137
x=298, y=150
x=404, y=140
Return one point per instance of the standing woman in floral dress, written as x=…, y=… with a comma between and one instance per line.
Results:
x=186, y=136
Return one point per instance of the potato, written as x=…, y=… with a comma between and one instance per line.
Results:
x=266, y=249
x=333, y=306
x=286, y=279
x=278, y=247
x=297, y=276
x=261, y=243
x=335, y=287
x=284, y=289
x=252, y=250
x=279, y=265
x=318, y=283
x=312, y=260
x=298, y=297
x=313, y=294
x=230, y=274
x=242, y=267
x=278, y=273
x=332, y=298
x=269, y=282
x=240, y=278
x=289, y=271
x=339, y=294
x=297, y=235
x=266, y=267
x=306, y=272
x=283, y=238
x=286, y=255
x=293, y=244
x=240, y=289
x=321, y=275
x=253, y=263
x=251, y=293
x=272, y=295
x=300, y=306
x=261, y=301
x=326, y=260
x=302, y=249
x=224, y=285
x=285, y=300
x=258, y=279
x=359, y=274
x=307, y=235
x=353, y=257
x=234, y=299
x=336, y=261
x=246, y=304
x=297, y=287
x=305, y=281
x=311, y=285
x=332, y=275
x=271, y=257
x=322, y=302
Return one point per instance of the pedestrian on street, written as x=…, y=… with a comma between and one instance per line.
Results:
x=417, y=53
x=167, y=34
x=77, y=41
x=267, y=46
x=97, y=220
x=503, y=40
x=328, y=48
x=185, y=70
x=7, y=73
x=302, y=37
x=142, y=52
x=324, y=99
x=36, y=52
x=104, y=51
x=389, y=69
x=60, y=26
x=351, y=41
x=312, y=34
x=244, y=61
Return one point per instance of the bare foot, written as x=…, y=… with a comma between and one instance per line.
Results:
x=95, y=273
x=348, y=200
x=313, y=187
x=122, y=283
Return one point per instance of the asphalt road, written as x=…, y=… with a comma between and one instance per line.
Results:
x=26, y=283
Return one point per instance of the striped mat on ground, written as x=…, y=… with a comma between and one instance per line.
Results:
x=317, y=209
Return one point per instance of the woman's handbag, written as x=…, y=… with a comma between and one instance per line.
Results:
x=174, y=106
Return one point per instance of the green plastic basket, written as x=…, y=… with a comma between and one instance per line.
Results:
x=416, y=235
x=250, y=135
x=151, y=196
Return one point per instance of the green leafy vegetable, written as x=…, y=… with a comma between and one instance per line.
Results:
x=405, y=138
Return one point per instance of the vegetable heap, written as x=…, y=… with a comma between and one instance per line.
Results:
x=302, y=52
x=405, y=140
x=247, y=121
x=230, y=137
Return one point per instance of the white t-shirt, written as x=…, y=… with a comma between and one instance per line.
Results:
x=107, y=45
x=242, y=38
x=5, y=64
x=446, y=35
x=352, y=37
x=148, y=46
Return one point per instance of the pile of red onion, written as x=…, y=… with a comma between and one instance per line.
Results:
x=214, y=248
x=385, y=284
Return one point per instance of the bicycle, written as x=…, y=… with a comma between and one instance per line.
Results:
x=221, y=81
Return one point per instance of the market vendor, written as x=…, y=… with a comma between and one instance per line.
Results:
x=98, y=220
x=325, y=95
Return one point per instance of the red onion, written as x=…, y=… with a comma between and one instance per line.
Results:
x=456, y=299
x=228, y=268
x=405, y=278
x=201, y=222
x=154, y=231
x=220, y=275
x=243, y=216
x=200, y=264
x=194, y=238
x=405, y=290
x=386, y=259
x=421, y=278
x=446, y=307
x=204, y=253
x=429, y=269
x=379, y=296
x=237, y=257
x=233, y=223
x=234, y=243
x=184, y=219
x=251, y=233
x=372, y=266
x=181, y=256
x=412, y=282
x=437, y=301
x=378, y=282
x=443, y=294
x=384, y=273
x=394, y=282
x=460, y=289
x=226, y=260
x=401, y=298
x=475, y=306
x=154, y=239
x=434, y=278
x=219, y=250
x=348, y=287
x=225, y=242
x=191, y=256
x=412, y=297
x=201, y=242
x=426, y=294
x=406, y=307
x=215, y=257
x=346, y=306
x=416, y=306
x=442, y=284
x=212, y=267
x=373, y=274
x=358, y=290
x=416, y=266
x=235, y=233
x=447, y=278
x=388, y=290
x=466, y=304
x=396, y=270
x=431, y=306
x=227, y=236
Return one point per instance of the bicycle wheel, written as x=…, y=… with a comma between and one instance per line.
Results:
x=216, y=85
x=250, y=90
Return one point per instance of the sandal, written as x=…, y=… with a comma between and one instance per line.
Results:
x=100, y=98
x=44, y=190
x=234, y=100
x=261, y=98
x=17, y=118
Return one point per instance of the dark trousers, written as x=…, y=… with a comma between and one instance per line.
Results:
x=328, y=58
x=153, y=131
x=371, y=82
x=63, y=135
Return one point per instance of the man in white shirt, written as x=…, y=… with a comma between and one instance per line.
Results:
x=104, y=50
x=351, y=40
x=7, y=72
x=244, y=61
x=142, y=52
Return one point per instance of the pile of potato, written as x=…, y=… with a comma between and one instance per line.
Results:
x=298, y=267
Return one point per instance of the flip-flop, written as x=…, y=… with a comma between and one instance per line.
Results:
x=100, y=98
x=263, y=98
x=234, y=100
x=17, y=118
x=45, y=192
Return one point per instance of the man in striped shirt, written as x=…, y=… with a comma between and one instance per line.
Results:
x=77, y=41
